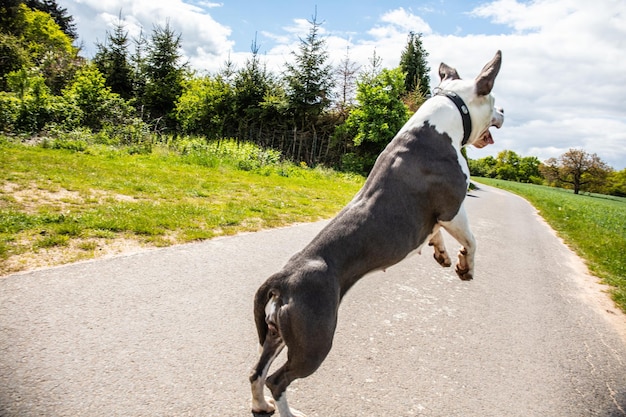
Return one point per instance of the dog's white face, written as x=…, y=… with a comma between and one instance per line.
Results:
x=477, y=96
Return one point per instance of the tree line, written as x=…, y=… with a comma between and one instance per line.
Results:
x=134, y=88
x=138, y=91
x=575, y=169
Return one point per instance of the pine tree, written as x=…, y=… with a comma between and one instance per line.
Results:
x=138, y=66
x=164, y=74
x=112, y=59
x=413, y=63
x=309, y=81
x=252, y=83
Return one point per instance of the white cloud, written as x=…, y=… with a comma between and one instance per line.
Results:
x=406, y=21
x=201, y=34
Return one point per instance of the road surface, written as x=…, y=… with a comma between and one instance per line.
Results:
x=169, y=332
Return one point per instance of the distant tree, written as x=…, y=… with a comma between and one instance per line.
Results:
x=59, y=14
x=10, y=22
x=413, y=62
x=309, y=84
x=97, y=105
x=13, y=56
x=164, y=76
x=204, y=106
x=509, y=166
x=42, y=34
x=251, y=84
x=346, y=82
x=377, y=117
x=36, y=103
x=138, y=63
x=483, y=167
x=576, y=168
x=37, y=42
x=374, y=67
x=113, y=60
x=528, y=170
x=228, y=70
x=616, y=183
x=309, y=81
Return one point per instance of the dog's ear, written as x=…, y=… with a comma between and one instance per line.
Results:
x=486, y=78
x=448, y=73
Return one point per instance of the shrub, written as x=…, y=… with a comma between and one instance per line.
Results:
x=9, y=111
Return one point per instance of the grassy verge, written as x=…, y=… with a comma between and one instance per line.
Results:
x=594, y=226
x=60, y=205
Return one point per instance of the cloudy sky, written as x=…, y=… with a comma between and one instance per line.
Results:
x=562, y=83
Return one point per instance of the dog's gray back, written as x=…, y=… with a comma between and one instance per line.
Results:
x=416, y=181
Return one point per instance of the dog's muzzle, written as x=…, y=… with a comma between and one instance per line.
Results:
x=497, y=119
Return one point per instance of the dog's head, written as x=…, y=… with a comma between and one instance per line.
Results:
x=477, y=96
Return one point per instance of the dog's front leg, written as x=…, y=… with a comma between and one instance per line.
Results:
x=458, y=227
x=440, y=255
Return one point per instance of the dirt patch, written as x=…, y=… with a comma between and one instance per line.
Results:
x=76, y=250
x=30, y=198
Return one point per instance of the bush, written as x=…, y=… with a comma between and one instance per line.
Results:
x=9, y=111
x=76, y=140
x=360, y=164
x=97, y=104
x=133, y=132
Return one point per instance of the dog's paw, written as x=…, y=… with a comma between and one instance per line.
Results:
x=262, y=414
x=442, y=259
x=266, y=409
x=464, y=274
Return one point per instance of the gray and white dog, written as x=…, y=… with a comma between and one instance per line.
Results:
x=417, y=186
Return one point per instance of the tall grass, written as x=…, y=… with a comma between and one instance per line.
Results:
x=594, y=226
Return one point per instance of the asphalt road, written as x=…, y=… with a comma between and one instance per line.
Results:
x=169, y=332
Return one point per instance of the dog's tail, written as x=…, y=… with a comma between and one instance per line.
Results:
x=263, y=295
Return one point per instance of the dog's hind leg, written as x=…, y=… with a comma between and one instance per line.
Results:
x=272, y=347
x=458, y=227
x=284, y=376
x=440, y=255
x=308, y=334
x=273, y=344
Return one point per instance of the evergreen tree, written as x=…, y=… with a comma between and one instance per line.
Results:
x=309, y=81
x=112, y=59
x=252, y=84
x=374, y=67
x=138, y=65
x=164, y=76
x=413, y=63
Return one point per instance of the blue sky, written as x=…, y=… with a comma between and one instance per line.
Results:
x=562, y=82
x=348, y=19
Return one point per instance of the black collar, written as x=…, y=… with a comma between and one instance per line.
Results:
x=458, y=101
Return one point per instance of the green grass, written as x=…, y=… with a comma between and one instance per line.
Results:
x=77, y=201
x=594, y=226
